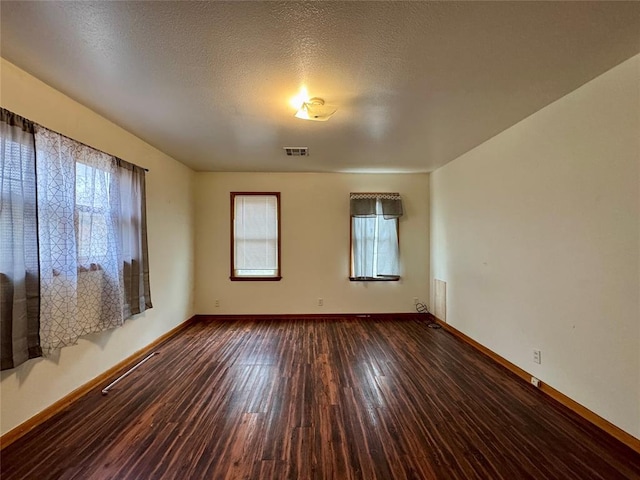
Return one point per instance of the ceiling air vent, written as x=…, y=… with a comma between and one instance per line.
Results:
x=297, y=151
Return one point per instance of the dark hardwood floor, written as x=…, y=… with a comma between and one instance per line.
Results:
x=322, y=398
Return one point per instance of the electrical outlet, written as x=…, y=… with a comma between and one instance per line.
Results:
x=320, y=302
x=535, y=382
x=537, y=356
x=217, y=304
x=415, y=300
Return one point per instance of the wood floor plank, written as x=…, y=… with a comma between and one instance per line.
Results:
x=322, y=398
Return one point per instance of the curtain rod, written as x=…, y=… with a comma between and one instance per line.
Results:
x=73, y=139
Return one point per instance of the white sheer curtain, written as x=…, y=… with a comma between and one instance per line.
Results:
x=375, y=247
x=80, y=262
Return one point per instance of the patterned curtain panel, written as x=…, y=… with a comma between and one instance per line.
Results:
x=19, y=270
x=80, y=264
x=133, y=234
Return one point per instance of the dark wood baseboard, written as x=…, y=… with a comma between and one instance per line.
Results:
x=25, y=427
x=558, y=396
x=284, y=316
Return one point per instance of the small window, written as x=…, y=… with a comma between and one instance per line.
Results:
x=255, y=236
x=375, y=245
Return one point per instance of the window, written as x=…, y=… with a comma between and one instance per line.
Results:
x=255, y=236
x=73, y=242
x=375, y=250
x=92, y=215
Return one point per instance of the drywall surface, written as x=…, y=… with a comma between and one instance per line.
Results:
x=38, y=383
x=537, y=234
x=315, y=245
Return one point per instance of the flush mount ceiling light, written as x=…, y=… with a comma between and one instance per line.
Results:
x=315, y=109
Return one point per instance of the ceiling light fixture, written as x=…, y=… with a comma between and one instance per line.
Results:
x=315, y=109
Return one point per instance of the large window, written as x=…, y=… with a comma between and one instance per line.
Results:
x=255, y=236
x=375, y=250
x=73, y=242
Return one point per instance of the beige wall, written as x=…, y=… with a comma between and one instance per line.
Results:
x=315, y=245
x=537, y=234
x=33, y=386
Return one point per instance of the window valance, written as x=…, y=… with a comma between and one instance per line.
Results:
x=389, y=205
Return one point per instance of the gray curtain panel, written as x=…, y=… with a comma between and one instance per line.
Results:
x=135, y=252
x=363, y=207
x=391, y=207
x=19, y=259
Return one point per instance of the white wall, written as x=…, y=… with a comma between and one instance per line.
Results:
x=537, y=234
x=36, y=384
x=315, y=245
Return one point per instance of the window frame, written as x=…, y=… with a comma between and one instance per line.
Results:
x=352, y=278
x=232, y=276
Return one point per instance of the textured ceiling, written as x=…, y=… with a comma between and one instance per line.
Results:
x=417, y=83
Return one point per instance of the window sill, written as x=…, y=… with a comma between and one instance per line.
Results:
x=255, y=279
x=374, y=279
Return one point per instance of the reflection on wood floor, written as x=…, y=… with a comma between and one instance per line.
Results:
x=317, y=398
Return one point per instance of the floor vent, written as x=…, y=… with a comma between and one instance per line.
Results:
x=297, y=151
x=440, y=299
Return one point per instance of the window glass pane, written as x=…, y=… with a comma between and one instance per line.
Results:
x=255, y=235
x=91, y=215
x=364, y=242
x=387, y=247
x=92, y=185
